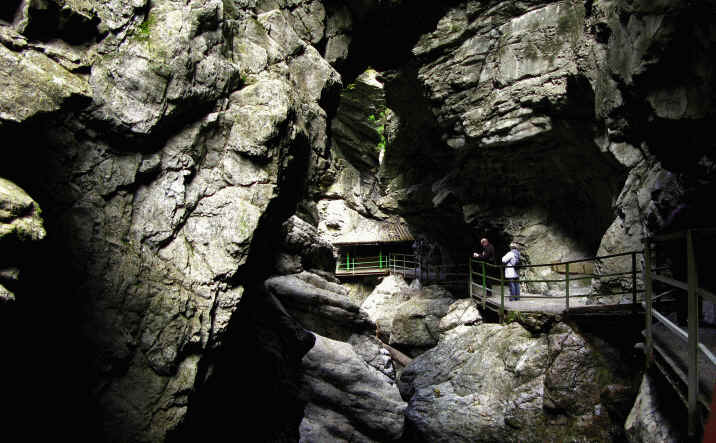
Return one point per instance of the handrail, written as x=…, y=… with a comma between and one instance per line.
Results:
x=542, y=265
x=569, y=276
x=693, y=294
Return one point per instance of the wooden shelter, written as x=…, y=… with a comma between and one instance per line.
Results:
x=372, y=252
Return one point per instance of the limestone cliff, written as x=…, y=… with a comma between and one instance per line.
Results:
x=170, y=145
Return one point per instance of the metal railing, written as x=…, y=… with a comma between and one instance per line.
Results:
x=351, y=264
x=690, y=337
x=484, y=277
x=393, y=263
x=403, y=264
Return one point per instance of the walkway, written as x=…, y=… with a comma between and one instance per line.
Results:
x=535, y=303
x=686, y=358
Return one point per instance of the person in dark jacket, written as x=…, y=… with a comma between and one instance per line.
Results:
x=487, y=255
x=488, y=251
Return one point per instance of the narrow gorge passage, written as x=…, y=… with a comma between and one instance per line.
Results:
x=182, y=180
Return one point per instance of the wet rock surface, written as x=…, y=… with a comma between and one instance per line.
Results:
x=494, y=382
x=171, y=143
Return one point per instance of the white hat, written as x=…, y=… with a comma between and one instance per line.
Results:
x=513, y=245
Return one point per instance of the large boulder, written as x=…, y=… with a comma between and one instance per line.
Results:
x=382, y=303
x=348, y=400
x=416, y=323
x=500, y=383
x=347, y=377
x=303, y=240
x=319, y=305
x=462, y=312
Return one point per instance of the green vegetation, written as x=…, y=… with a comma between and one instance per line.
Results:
x=380, y=122
x=513, y=316
x=144, y=30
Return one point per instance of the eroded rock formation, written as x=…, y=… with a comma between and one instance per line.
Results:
x=499, y=383
x=187, y=156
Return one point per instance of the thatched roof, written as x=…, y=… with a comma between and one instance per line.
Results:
x=383, y=233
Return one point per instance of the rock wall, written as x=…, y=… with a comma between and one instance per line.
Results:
x=170, y=143
x=513, y=100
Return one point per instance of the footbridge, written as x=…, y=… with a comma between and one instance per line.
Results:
x=658, y=285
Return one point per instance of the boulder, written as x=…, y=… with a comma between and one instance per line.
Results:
x=348, y=400
x=320, y=306
x=382, y=304
x=416, y=323
x=462, y=312
x=495, y=383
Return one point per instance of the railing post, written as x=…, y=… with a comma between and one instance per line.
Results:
x=648, y=288
x=633, y=282
x=566, y=287
x=502, y=296
x=693, y=334
x=484, y=285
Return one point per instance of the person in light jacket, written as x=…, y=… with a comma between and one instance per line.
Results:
x=512, y=259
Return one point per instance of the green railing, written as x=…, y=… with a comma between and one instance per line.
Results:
x=404, y=264
x=485, y=272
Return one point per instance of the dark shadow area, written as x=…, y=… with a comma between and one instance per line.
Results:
x=46, y=357
x=677, y=121
x=8, y=9
x=48, y=21
x=253, y=386
x=384, y=34
x=252, y=381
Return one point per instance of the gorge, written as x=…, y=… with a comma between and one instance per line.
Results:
x=176, y=174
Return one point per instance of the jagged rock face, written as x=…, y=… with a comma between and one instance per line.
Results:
x=347, y=378
x=415, y=319
x=355, y=204
x=499, y=383
x=522, y=96
x=168, y=142
x=165, y=147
